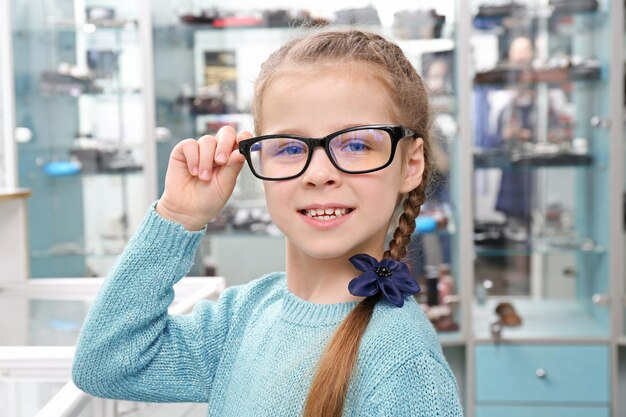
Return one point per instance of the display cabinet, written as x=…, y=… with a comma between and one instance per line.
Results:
x=620, y=391
x=13, y=224
x=3, y=157
x=78, y=82
x=37, y=343
x=541, y=167
x=544, y=161
x=7, y=176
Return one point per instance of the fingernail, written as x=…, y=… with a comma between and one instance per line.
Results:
x=204, y=175
x=221, y=157
x=194, y=171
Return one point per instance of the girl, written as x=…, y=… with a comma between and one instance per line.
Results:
x=344, y=156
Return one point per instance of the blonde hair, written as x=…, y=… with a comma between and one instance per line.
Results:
x=411, y=108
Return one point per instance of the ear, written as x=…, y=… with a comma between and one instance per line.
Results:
x=413, y=168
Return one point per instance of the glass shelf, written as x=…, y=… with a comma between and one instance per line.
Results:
x=108, y=246
x=542, y=246
x=451, y=338
x=508, y=160
x=543, y=320
x=131, y=92
x=117, y=172
x=589, y=20
x=197, y=27
x=498, y=83
x=100, y=93
x=91, y=26
x=50, y=312
x=41, y=322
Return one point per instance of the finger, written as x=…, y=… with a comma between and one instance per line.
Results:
x=226, y=139
x=235, y=161
x=238, y=157
x=207, y=150
x=186, y=152
x=244, y=134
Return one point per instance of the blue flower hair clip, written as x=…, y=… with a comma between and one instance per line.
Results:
x=390, y=277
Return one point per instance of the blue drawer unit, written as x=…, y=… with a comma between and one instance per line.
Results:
x=550, y=374
x=530, y=411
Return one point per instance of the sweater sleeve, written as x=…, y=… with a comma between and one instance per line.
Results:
x=421, y=387
x=129, y=347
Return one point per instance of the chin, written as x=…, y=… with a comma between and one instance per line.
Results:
x=319, y=249
x=324, y=250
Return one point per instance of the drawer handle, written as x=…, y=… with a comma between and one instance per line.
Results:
x=541, y=373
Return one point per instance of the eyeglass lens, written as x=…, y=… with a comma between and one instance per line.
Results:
x=353, y=151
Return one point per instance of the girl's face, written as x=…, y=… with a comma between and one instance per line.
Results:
x=316, y=106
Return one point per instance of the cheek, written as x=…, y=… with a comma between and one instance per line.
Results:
x=275, y=198
x=380, y=194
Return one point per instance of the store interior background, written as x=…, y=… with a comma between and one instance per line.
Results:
x=520, y=248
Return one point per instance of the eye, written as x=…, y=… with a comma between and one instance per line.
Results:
x=290, y=148
x=354, y=145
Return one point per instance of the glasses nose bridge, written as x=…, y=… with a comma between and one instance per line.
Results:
x=315, y=143
x=318, y=142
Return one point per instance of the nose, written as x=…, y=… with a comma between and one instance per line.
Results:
x=321, y=170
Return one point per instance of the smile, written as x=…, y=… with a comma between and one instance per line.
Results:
x=326, y=214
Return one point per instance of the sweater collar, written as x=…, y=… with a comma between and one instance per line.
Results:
x=298, y=311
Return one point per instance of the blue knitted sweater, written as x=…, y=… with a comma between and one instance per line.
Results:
x=251, y=353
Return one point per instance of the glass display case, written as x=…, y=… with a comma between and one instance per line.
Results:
x=621, y=310
x=3, y=157
x=37, y=344
x=78, y=84
x=7, y=165
x=543, y=150
x=541, y=157
x=206, y=61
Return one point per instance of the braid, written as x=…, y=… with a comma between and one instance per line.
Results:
x=406, y=224
x=331, y=382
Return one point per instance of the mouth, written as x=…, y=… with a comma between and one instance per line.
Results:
x=328, y=213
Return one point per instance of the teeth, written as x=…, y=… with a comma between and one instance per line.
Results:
x=326, y=214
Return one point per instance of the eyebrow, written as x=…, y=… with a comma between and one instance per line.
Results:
x=300, y=133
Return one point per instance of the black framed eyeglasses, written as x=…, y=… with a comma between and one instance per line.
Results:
x=355, y=150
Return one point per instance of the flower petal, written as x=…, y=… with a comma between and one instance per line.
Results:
x=363, y=262
x=365, y=285
x=407, y=285
x=389, y=263
x=403, y=268
x=391, y=292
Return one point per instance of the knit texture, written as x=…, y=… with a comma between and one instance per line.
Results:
x=254, y=351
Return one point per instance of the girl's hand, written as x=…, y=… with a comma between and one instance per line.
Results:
x=201, y=176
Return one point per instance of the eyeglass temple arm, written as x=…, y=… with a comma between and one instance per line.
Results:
x=408, y=132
